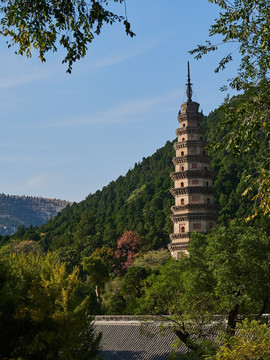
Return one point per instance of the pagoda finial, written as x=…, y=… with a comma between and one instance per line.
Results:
x=189, y=89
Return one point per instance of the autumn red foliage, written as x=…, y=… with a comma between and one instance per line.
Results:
x=128, y=245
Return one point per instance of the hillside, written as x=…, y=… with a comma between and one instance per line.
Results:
x=141, y=201
x=26, y=210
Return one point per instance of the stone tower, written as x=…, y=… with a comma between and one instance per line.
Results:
x=194, y=208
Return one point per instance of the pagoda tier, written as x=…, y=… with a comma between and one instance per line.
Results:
x=194, y=209
x=188, y=174
x=176, y=218
x=198, y=207
x=204, y=190
x=190, y=131
x=190, y=144
x=191, y=158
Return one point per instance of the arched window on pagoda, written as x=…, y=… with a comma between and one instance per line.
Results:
x=183, y=139
x=182, y=168
x=207, y=183
x=184, y=125
x=183, y=229
x=208, y=201
x=182, y=153
x=182, y=201
x=182, y=184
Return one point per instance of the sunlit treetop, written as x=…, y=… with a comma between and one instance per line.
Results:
x=247, y=24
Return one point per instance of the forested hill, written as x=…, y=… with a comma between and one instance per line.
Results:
x=141, y=201
x=26, y=210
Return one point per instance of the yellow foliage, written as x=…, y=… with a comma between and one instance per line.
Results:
x=262, y=198
x=46, y=297
x=251, y=342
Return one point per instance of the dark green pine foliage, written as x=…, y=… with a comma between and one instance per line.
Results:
x=140, y=201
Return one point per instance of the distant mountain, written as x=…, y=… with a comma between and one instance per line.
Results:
x=26, y=210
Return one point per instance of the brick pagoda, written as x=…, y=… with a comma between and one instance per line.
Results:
x=194, y=208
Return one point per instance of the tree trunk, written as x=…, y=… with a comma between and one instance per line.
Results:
x=185, y=338
x=265, y=303
x=232, y=320
x=97, y=293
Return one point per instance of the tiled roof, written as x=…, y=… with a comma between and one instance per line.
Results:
x=133, y=338
x=127, y=338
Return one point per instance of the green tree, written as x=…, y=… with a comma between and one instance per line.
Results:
x=238, y=258
x=41, y=313
x=252, y=342
x=226, y=273
x=27, y=246
x=107, y=256
x=246, y=23
x=44, y=25
x=113, y=301
x=152, y=259
x=97, y=272
x=132, y=287
x=246, y=120
x=167, y=293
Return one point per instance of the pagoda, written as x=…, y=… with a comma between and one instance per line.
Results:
x=194, y=208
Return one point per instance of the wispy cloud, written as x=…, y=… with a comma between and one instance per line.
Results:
x=129, y=111
x=19, y=80
x=8, y=159
x=19, y=159
x=37, y=181
x=117, y=58
x=17, y=71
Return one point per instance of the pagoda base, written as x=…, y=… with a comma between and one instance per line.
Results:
x=179, y=244
x=179, y=249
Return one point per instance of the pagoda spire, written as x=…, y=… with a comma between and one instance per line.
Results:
x=189, y=89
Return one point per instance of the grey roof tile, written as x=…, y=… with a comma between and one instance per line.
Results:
x=128, y=339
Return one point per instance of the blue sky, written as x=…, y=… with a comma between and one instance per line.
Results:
x=65, y=136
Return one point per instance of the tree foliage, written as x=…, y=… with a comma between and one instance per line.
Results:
x=132, y=288
x=41, y=313
x=97, y=272
x=112, y=299
x=44, y=25
x=226, y=274
x=128, y=245
x=252, y=342
x=247, y=23
x=152, y=259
